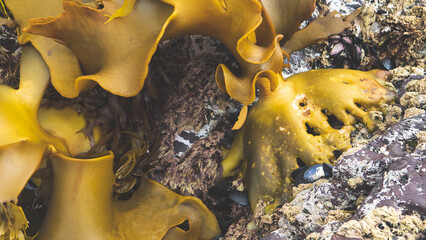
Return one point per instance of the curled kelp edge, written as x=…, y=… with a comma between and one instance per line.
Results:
x=287, y=15
x=98, y=215
x=62, y=63
x=254, y=46
x=295, y=116
x=319, y=29
x=25, y=143
x=107, y=70
x=19, y=106
x=243, y=88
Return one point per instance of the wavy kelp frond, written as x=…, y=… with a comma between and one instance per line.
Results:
x=234, y=23
x=62, y=63
x=12, y=222
x=297, y=122
x=68, y=124
x=287, y=15
x=115, y=55
x=23, y=10
x=245, y=28
x=24, y=141
x=347, y=94
x=242, y=88
x=319, y=29
x=90, y=212
x=18, y=108
x=18, y=162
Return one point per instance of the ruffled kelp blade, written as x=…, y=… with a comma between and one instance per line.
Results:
x=307, y=119
x=23, y=10
x=18, y=107
x=116, y=54
x=287, y=16
x=67, y=124
x=81, y=207
x=63, y=64
x=24, y=142
x=246, y=30
x=18, y=162
x=319, y=29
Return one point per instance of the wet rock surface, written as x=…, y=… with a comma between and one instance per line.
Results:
x=376, y=191
x=392, y=175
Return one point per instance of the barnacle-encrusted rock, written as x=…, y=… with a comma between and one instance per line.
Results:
x=399, y=24
x=291, y=124
x=81, y=206
x=392, y=209
x=370, y=162
x=391, y=176
x=381, y=223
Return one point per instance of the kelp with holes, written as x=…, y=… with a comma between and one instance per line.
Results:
x=82, y=46
x=291, y=124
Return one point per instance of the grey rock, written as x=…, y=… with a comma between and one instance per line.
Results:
x=390, y=172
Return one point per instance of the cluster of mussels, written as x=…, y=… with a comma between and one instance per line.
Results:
x=72, y=46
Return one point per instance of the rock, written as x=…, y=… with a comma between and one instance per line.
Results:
x=370, y=162
x=388, y=175
x=402, y=187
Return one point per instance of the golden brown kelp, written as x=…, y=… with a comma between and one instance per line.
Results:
x=44, y=132
x=62, y=63
x=287, y=16
x=291, y=124
x=116, y=54
x=12, y=222
x=24, y=142
x=86, y=209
